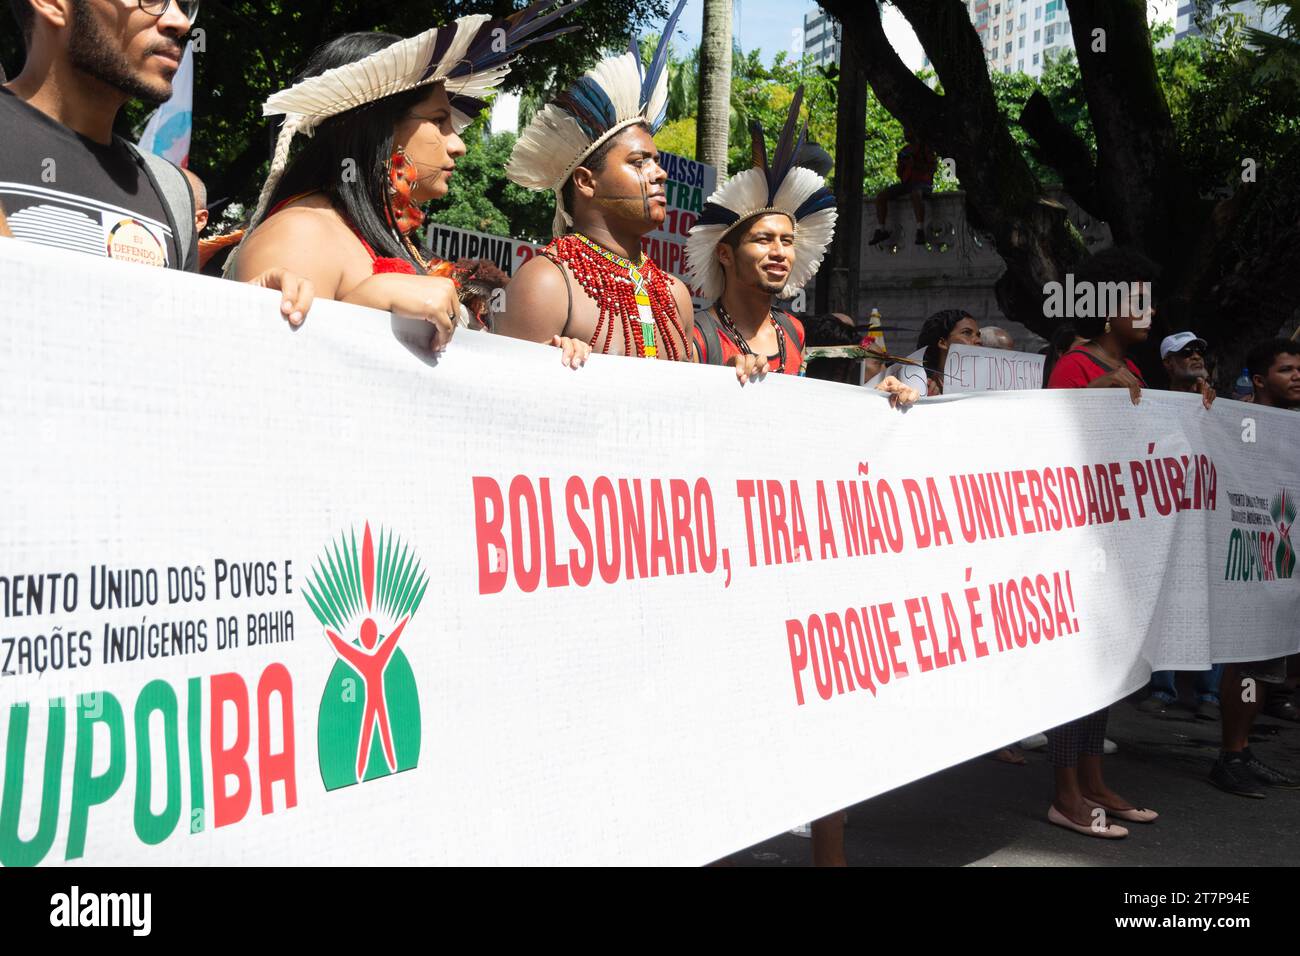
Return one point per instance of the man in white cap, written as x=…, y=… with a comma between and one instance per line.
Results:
x=1183, y=355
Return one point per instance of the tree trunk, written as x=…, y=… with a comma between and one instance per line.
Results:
x=1149, y=200
x=712, y=124
x=839, y=278
x=1030, y=232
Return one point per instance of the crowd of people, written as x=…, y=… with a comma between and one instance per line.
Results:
x=394, y=107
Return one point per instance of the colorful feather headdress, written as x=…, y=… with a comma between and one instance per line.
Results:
x=776, y=186
x=612, y=96
x=471, y=56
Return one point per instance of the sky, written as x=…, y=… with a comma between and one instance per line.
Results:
x=773, y=25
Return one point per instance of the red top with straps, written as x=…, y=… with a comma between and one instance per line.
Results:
x=1077, y=367
x=722, y=350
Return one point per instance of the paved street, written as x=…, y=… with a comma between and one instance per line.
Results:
x=986, y=813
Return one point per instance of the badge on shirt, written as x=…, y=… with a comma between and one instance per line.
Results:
x=130, y=240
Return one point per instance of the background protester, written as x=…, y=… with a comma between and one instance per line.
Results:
x=1183, y=355
x=480, y=278
x=68, y=181
x=1102, y=361
x=1075, y=749
x=915, y=166
x=1186, y=361
x=939, y=331
x=1064, y=338
x=593, y=149
x=833, y=329
x=1275, y=368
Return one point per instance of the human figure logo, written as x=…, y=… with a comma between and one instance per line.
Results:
x=1283, y=511
x=364, y=601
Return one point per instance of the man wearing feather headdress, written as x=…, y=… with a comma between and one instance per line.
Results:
x=593, y=147
x=762, y=236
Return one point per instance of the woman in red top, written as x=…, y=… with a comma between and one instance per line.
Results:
x=344, y=210
x=1102, y=360
x=1083, y=802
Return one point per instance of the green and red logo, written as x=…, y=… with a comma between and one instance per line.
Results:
x=369, y=723
x=1282, y=509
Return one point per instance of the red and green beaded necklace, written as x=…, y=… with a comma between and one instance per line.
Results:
x=638, y=295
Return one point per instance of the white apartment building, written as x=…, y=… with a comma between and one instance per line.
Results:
x=1020, y=35
x=821, y=38
x=1255, y=17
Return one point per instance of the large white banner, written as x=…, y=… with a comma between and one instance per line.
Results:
x=632, y=613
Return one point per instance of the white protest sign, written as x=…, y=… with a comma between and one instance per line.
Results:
x=974, y=368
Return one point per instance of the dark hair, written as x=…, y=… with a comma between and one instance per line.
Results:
x=364, y=135
x=1063, y=337
x=26, y=17
x=1261, y=358
x=1116, y=264
x=596, y=162
x=936, y=327
x=826, y=329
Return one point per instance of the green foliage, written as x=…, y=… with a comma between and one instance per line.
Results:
x=677, y=136
x=883, y=136
x=763, y=93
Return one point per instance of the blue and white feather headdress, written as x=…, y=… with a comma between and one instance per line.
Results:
x=471, y=56
x=613, y=95
x=769, y=187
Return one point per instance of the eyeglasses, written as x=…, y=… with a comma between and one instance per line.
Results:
x=158, y=7
x=1192, y=350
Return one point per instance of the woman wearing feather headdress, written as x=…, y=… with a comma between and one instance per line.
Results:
x=593, y=147
x=383, y=115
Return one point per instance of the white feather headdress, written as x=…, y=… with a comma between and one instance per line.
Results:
x=780, y=186
x=615, y=94
x=471, y=56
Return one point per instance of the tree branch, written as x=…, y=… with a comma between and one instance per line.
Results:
x=1061, y=148
x=897, y=86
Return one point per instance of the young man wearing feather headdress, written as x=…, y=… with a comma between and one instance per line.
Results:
x=593, y=147
x=762, y=236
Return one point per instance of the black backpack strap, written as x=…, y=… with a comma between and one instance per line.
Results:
x=711, y=353
x=789, y=327
x=568, y=286
x=1092, y=358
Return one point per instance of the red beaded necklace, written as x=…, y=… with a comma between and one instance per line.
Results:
x=615, y=284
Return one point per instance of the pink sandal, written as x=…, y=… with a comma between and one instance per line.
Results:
x=1135, y=815
x=1112, y=831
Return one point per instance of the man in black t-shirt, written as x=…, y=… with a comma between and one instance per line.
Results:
x=66, y=181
